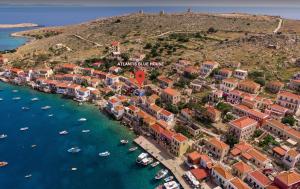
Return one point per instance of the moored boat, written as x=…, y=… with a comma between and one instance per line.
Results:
x=133, y=149
x=82, y=119
x=45, y=107
x=3, y=136
x=169, y=178
x=161, y=174
x=1, y=99
x=74, y=150
x=124, y=141
x=85, y=131
x=34, y=99
x=104, y=154
x=3, y=163
x=155, y=164
x=25, y=108
x=63, y=132
x=141, y=157
x=28, y=176
x=147, y=161
x=24, y=128
x=16, y=98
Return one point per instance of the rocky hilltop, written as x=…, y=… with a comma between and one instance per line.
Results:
x=226, y=38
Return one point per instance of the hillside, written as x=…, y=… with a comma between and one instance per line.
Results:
x=226, y=38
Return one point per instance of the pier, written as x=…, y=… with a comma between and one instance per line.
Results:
x=172, y=163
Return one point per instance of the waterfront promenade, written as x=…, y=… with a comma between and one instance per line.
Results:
x=173, y=164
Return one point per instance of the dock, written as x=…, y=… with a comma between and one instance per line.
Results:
x=171, y=163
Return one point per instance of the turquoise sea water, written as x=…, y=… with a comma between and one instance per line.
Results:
x=49, y=162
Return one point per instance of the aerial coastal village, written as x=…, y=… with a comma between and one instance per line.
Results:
x=225, y=128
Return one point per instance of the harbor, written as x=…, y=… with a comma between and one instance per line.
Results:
x=171, y=163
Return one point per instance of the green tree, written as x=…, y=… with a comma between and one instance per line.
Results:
x=154, y=74
x=289, y=119
x=224, y=108
x=231, y=140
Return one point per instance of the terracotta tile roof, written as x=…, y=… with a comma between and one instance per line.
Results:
x=257, y=155
x=242, y=167
x=246, y=156
x=155, y=108
x=69, y=66
x=209, y=62
x=164, y=79
x=166, y=113
x=180, y=137
x=288, y=177
x=171, y=92
x=272, y=186
x=289, y=95
x=212, y=110
x=249, y=84
x=133, y=108
x=283, y=127
x=260, y=177
x=167, y=133
x=276, y=83
x=115, y=43
x=194, y=156
x=240, y=148
x=253, y=112
x=199, y=174
x=293, y=153
x=238, y=183
x=206, y=158
x=243, y=122
x=225, y=70
x=217, y=143
x=278, y=108
x=222, y=172
x=279, y=150
x=230, y=80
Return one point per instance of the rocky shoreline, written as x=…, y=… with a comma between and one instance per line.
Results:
x=20, y=25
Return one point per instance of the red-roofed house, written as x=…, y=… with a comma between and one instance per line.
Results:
x=291, y=157
x=217, y=148
x=257, y=180
x=288, y=180
x=199, y=174
x=228, y=84
x=242, y=128
x=221, y=176
x=223, y=74
x=237, y=183
x=289, y=100
x=242, y=110
x=170, y=95
x=241, y=169
x=274, y=86
x=249, y=86
x=212, y=114
x=207, y=67
x=165, y=82
x=194, y=158
x=179, y=144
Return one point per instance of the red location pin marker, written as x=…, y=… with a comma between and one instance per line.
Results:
x=140, y=77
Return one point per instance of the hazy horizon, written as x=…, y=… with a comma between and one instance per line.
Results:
x=139, y=3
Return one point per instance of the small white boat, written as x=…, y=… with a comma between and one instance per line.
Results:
x=25, y=108
x=34, y=99
x=155, y=164
x=3, y=136
x=141, y=157
x=74, y=150
x=161, y=174
x=147, y=161
x=16, y=98
x=3, y=163
x=104, y=154
x=24, y=128
x=74, y=169
x=172, y=185
x=169, y=178
x=133, y=149
x=28, y=176
x=63, y=132
x=15, y=91
x=85, y=131
x=124, y=141
x=82, y=119
x=33, y=146
x=45, y=107
x=50, y=115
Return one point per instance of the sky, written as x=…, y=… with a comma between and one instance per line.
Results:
x=255, y=3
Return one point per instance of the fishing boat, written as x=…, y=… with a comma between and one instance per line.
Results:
x=3, y=136
x=16, y=98
x=133, y=149
x=147, y=161
x=28, y=176
x=124, y=141
x=50, y=115
x=161, y=174
x=34, y=99
x=45, y=107
x=33, y=146
x=82, y=119
x=25, y=108
x=155, y=164
x=63, y=132
x=169, y=178
x=141, y=157
x=104, y=154
x=74, y=169
x=15, y=91
x=3, y=163
x=74, y=150
x=85, y=131
x=24, y=128
x=169, y=185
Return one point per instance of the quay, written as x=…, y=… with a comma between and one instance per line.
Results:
x=171, y=163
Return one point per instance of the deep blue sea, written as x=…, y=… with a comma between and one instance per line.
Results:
x=49, y=163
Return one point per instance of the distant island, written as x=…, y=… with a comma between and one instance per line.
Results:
x=20, y=25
